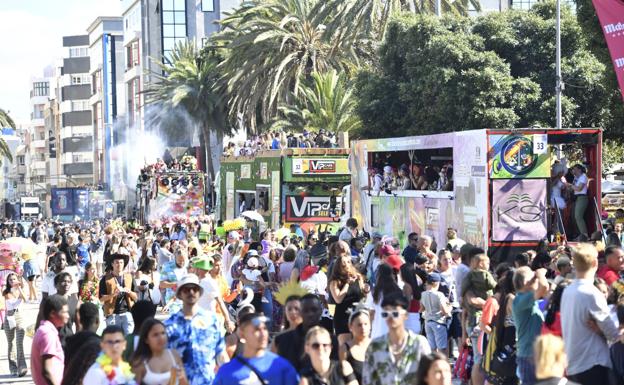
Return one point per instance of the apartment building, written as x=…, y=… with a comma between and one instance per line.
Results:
x=106, y=52
x=76, y=131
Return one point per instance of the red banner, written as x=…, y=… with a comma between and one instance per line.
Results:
x=611, y=15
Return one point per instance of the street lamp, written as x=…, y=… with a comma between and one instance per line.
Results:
x=559, y=83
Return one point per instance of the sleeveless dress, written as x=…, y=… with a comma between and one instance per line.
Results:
x=341, y=316
x=357, y=365
x=154, y=378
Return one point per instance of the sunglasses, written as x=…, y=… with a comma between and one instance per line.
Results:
x=317, y=346
x=394, y=314
x=113, y=342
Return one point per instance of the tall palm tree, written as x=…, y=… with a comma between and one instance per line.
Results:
x=273, y=46
x=327, y=103
x=190, y=83
x=5, y=121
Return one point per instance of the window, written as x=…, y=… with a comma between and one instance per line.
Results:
x=134, y=101
x=41, y=89
x=208, y=5
x=80, y=79
x=78, y=51
x=38, y=111
x=40, y=178
x=96, y=82
x=42, y=136
x=22, y=178
x=20, y=160
x=132, y=55
x=80, y=105
x=173, y=24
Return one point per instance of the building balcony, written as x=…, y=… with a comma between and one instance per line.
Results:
x=85, y=168
x=38, y=143
x=76, y=92
x=77, y=118
x=39, y=165
x=78, y=144
x=132, y=73
x=76, y=65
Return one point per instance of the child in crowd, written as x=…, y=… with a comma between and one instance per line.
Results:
x=479, y=280
x=252, y=272
x=436, y=309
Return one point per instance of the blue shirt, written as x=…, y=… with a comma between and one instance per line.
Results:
x=199, y=342
x=83, y=254
x=528, y=319
x=274, y=369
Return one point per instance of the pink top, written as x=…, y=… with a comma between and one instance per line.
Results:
x=46, y=342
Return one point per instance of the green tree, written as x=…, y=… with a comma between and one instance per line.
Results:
x=327, y=103
x=274, y=46
x=435, y=76
x=191, y=83
x=5, y=121
x=526, y=41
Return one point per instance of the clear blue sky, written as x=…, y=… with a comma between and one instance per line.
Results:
x=31, y=38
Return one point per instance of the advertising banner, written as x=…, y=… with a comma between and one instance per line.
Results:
x=519, y=210
x=310, y=208
x=518, y=156
x=81, y=202
x=178, y=195
x=324, y=166
x=611, y=16
x=62, y=201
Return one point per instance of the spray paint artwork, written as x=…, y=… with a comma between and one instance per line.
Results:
x=178, y=195
x=518, y=210
x=518, y=156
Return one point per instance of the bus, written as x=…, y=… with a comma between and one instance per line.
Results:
x=492, y=186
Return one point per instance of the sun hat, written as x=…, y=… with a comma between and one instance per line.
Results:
x=189, y=279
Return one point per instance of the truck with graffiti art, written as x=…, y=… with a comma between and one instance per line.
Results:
x=497, y=188
x=291, y=186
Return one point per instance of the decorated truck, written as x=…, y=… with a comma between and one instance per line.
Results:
x=294, y=186
x=492, y=186
x=164, y=192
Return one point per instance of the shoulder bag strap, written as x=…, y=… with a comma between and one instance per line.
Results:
x=252, y=368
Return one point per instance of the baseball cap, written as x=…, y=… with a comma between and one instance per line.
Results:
x=394, y=261
x=203, y=263
x=434, y=277
x=255, y=318
x=376, y=234
x=387, y=250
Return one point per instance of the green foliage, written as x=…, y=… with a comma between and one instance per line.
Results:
x=191, y=84
x=493, y=71
x=327, y=103
x=612, y=154
x=433, y=78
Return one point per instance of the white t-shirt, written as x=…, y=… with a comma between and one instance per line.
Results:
x=579, y=180
x=556, y=195
x=96, y=376
x=47, y=283
x=211, y=292
x=379, y=326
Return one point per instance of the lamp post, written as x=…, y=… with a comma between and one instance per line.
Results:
x=559, y=83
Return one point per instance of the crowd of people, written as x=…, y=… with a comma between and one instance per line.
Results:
x=277, y=140
x=389, y=178
x=123, y=304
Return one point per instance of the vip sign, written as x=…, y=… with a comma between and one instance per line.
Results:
x=309, y=209
x=319, y=166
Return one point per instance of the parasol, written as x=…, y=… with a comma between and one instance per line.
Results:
x=24, y=246
x=253, y=215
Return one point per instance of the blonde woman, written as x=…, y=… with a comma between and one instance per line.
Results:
x=550, y=361
x=323, y=370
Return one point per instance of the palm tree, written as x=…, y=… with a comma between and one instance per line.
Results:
x=5, y=121
x=190, y=83
x=327, y=103
x=273, y=46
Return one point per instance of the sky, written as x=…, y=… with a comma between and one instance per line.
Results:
x=31, y=34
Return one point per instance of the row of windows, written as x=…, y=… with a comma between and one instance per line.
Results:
x=174, y=24
x=78, y=51
x=80, y=79
x=41, y=89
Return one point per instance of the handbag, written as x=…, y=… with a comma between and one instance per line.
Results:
x=504, y=358
x=463, y=365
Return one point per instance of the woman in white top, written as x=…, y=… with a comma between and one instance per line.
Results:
x=557, y=201
x=147, y=281
x=579, y=186
x=13, y=325
x=152, y=363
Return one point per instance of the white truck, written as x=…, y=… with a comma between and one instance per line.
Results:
x=30, y=207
